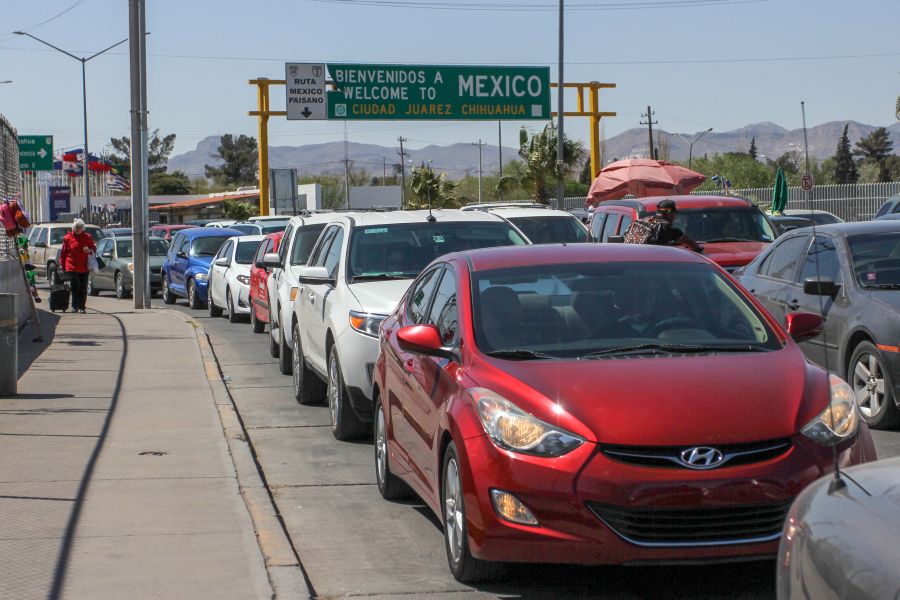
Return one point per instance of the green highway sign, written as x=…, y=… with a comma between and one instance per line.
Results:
x=454, y=92
x=35, y=152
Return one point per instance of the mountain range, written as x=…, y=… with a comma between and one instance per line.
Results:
x=460, y=159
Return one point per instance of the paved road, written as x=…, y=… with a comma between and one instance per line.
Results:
x=353, y=543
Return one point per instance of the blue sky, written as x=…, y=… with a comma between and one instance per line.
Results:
x=663, y=57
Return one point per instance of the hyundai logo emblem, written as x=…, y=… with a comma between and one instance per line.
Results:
x=701, y=457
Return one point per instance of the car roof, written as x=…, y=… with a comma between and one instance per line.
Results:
x=314, y=218
x=804, y=211
x=681, y=202
x=209, y=232
x=364, y=219
x=250, y=238
x=513, y=204
x=860, y=227
x=66, y=225
x=505, y=257
x=512, y=212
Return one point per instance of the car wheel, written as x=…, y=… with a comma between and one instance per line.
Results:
x=167, y=295
x=120, y=286
x=193, y=297
x=285, y=358
x=92, y=291
x=214, y=311
x=390, y=486
x=273, y=345
x=465, y=567
x=873, y=386
x=345, y=425
x=257, y=325
x=229, y=302
x=308, y=388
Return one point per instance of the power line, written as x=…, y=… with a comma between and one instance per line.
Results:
x=649, y=123
x=524, y=7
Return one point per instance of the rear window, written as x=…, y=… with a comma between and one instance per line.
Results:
x=207, y=246
x=725, y=225
x=551, y=229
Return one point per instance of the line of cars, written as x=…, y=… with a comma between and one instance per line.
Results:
x=567, y=402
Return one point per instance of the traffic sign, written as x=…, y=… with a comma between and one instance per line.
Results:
x=35, y=152
x=418, y=92
x=305, y=85
x=806, y=182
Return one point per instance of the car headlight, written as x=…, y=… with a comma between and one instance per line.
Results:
x=837, y=422
x=511, y=428
x=201, y=276
x=243, y=279
x=365, y=323
x=131, y=267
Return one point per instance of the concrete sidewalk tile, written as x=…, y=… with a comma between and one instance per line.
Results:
x=185, y=457
x=29, y=459
x=28, y=567
x=33, y=517
x=277, y=407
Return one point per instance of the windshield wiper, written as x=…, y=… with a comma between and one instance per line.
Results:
x=671, y=349
x=519, y=354
x=727, y=239
x=380, y=277
x=883, y=286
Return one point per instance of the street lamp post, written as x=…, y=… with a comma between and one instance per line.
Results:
x=6, y=81
x=691, y=145
x=86, y=173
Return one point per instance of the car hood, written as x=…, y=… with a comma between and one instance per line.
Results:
x=379, y=297
x=733, y=254
x=890, y=299
x=662, y=401
x=201, y=262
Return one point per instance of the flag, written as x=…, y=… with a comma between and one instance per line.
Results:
x=117, y=183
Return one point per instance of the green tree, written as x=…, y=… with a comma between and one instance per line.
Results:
x=845, y=170
x=737, y=167
x=237, y=210
x=158, y=151
x=240, y=159
x=875, y=148
x=431, y=189
x=753, y=153
x=787, y=162
x=170, y=184
x=542, y=170
x=586, y=177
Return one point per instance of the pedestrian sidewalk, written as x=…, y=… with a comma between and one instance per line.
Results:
x=115, y=474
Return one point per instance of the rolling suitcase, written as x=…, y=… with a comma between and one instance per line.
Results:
x=59, y=297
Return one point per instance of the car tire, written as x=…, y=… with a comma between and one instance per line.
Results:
x=214, y=311
x=121, y=293
x=464, y=567
x=257, y=325
x=229, y=302
x=866, y=374
x=390, y=486
x=92, y=291
x=308, y=388
x=167, y=295
x=285, y=358
x=345, y=425
x=193, y=298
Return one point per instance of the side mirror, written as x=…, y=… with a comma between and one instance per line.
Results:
x=223, y=262
x=803, y=326
x=270, y=260
x=423, y=339
x=821, y=286
x=616, y=239
x=181, y=255
x=106, y=254
x=40, y=244
x=314, y=275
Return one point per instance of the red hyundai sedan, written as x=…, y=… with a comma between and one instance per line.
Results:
x=601, y=404
x=259, y=277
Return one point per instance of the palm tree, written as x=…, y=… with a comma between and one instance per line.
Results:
x=431, y=189
x=541, y=170
x=237, y=210
x=875, y=148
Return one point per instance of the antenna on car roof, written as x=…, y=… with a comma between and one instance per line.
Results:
x=430, y=218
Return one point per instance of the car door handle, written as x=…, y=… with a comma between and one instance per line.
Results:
x=312, y=299
x=793, y=304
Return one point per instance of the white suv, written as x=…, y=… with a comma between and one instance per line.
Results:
x=299, y=237
x=540, y=224
x=356, y=274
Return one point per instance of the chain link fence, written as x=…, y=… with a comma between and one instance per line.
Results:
x=9, y=159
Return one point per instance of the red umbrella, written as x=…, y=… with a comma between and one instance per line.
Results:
x=642, y=177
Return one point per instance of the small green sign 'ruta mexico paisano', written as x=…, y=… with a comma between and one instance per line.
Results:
x=399, y=92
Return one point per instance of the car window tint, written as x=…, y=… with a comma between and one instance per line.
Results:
x=263, y=249
x=246, y=251
x=332, y=259
x=443, y=313
x=42, y=235
x=551, y=229
x=224, y=251
x=57, y=234
x=207, y=246
x=185, y=242
x=306, y=237
x=158, y=247
x=626, y=222
x=420, y=295
x=782, y=263
x=102, y=247
x=823, y=252
x=320, y=253
x=597, y=225
x=282, y=250
x=610, y=227
x=123, y=248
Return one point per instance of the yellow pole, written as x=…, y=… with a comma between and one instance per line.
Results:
x=263, y=102
x=596, y=165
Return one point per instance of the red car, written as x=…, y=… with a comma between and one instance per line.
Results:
x=601, y=404
x=167, y=231
x=259, y=277
x=732, y=229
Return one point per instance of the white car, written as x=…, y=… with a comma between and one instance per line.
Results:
x=357, y=272
x=228, y=286
x=299, y=237
x=258, y=218
x=539, y=223
x=221, y=223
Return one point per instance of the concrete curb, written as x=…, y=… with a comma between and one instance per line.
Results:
x=285, y=572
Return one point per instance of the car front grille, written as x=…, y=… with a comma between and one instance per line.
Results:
x=670, y=456
x=713, y=526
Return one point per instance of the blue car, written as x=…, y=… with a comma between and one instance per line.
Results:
x=186, y=270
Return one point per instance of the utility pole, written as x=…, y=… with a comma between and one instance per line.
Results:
x=138, y=153
x=500, y=156
x=383, y=170
x=560, y=109
x=649, y=123
x=346, y=167
x=480, y=170
x=403, y=155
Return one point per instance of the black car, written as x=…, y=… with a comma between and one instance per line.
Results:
x=891, y=206
x=784, y=223
x=850, y=274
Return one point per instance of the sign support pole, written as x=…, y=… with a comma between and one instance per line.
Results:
x=596, y=165
x=263, y=144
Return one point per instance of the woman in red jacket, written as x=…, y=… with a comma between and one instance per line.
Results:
x=76, y=247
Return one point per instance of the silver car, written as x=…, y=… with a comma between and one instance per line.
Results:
x=118, y=268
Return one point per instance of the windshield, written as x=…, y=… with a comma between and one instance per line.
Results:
x=551, y=229
x=207, y=246
x=403, y=250
x=876, y=259
x=58, y=233
x=304, y=240
x=246, y=251
x=158, y=247
x=572, y=310
x=266, y=229
x=725, y=225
